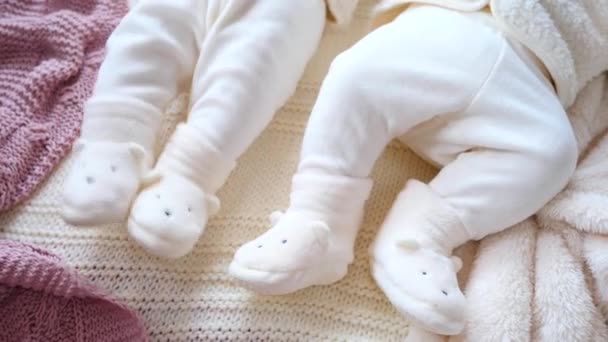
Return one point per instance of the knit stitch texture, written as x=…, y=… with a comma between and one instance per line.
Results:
x=49, y=56
x=41, y=299
x=194, y=299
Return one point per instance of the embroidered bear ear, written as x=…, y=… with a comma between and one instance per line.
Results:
x=410, y=245
x=457, y=262
x=275, y=216
x=213, y=205
x=79, y=145
x=139, y=154
x=137, y=151
x=321, y=231
x=319, y=226
x=151, y=178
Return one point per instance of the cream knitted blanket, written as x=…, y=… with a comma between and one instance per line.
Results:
x=194, y=297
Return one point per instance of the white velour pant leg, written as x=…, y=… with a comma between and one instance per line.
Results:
x=392, y=80
x=252, y=56
x=250, y=64
x=503, y=158
x=151, y=51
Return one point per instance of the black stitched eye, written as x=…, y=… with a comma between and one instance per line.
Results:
x=167, y=212
x=424, y=273
x=90, y=180
x=444, y=292
x=284, y=241
x=259, y=246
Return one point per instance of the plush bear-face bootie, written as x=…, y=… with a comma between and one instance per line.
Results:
x=178, y=197
x=412, y=263
x=111, y=157
x=312, y=243
x=169, y=215
x=295, y=253
x=102, y=183
x=422, y=284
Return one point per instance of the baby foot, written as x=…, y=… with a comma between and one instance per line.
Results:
x=295, y=253
x=421, y=283
x=102, y=182
x=170, y=214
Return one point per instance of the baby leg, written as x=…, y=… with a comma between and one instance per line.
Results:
x=504, y=157
x=152, y=50
x=252, y=57
x=379, y=89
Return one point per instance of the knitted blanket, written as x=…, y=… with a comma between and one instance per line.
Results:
x=194, y=298
x=41, y=299
x=49, y=55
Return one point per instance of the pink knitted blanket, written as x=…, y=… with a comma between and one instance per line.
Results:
x=50, y=51
x=42, y=299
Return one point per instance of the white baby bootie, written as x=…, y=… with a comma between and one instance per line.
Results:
x=312, y=243
x=113, y=153
x=171, y=212
x=412, y=263
x=169, y=215
x=102, y=183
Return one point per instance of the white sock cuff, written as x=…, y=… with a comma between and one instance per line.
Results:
x=189, y=154
x=120, y=120
x=424, y=214
x=329, y=193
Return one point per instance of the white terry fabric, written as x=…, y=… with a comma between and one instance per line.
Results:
x=243, y=60
x=480, y=114
x=570, y=37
